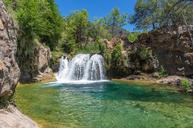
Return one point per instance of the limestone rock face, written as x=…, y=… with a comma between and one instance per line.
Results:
x=11, y=117
x=37, y=65
x=173, y=48
x=9, y=71
x=43, y=59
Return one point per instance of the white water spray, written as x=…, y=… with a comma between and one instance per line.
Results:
x=83, y=67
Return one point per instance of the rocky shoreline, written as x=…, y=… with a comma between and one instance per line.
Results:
x=174, y=81
x=11, y=117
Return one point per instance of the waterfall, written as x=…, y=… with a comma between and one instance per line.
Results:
x=83, y=67
x=63, y=69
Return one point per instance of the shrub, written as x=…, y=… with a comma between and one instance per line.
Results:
x=132, y=37
x=144, y=53
x=186, y=84
x=92, y=47
x=116, y=55
x=162, y=72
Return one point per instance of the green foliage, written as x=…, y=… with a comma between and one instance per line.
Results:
x=162, y=72
x=97, y=30
x=144, y=53
x=39, y=22
x=116, y=55
x=56, y=55
x=115, y=20
x=3, y=102
x=54, y=27
x=132, y=37
x=37, y=19
x=186, y=84
x=75, y=28
x=81, y=35
x=93, y=47
x=151, y=14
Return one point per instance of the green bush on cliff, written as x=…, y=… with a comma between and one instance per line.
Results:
x=116, y=55
x=92, y=47
x=39, y=22
x=186, y=84
x=132, y=37
x=37, y=19
x=144, y=53
x=162, y=72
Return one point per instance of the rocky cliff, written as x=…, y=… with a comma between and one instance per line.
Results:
x=173, y=48
x=10, y=117
x=9, y=71
x=134, y=59
x=36, y=66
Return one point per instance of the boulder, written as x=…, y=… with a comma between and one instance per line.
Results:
x=171, y=80
x=11, y=117
x=37, y=66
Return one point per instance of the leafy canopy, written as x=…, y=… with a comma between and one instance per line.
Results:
x=152, y=14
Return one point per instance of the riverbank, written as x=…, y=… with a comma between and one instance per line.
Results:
x=147, y=83
x=179, y=83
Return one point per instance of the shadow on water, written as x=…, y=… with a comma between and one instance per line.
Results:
x=117, y=91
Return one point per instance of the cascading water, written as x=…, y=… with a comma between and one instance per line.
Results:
x=83, y=67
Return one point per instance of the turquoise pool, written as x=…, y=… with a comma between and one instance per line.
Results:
x=105, y=105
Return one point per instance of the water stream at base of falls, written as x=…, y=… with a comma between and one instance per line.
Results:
x=82, y=68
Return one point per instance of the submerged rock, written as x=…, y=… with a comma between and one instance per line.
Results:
x=11, y=117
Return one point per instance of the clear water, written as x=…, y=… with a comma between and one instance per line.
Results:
x=105, y=105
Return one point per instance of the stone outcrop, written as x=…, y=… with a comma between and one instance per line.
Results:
x=171, y=80
x=9, y=71
x=183, y=83
x=173, y=48
x=10, y=117
x=37, y=66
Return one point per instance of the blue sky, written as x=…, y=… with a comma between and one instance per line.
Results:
x=97, y=8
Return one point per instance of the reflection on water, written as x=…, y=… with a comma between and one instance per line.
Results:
x=106, y=105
